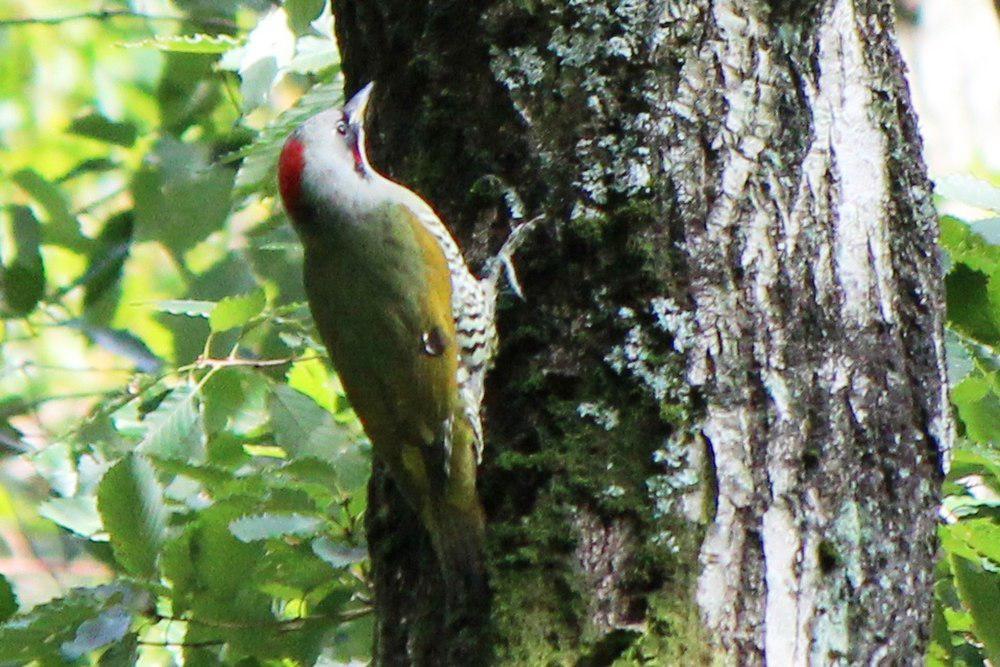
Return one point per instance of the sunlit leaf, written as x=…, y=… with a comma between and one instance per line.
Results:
x=338, y=554
x=78, y=514
x=969, y=190
x=236, y=311
x=61, y=226
x=199, y=43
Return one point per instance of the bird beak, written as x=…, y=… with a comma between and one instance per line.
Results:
x=355, y=109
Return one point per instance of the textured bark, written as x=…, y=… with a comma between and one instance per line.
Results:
x=717, y=425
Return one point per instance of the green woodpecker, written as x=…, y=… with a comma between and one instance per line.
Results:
x=409, y=329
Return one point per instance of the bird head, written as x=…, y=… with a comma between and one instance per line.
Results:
x=324, y=160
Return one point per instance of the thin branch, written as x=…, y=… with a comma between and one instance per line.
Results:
x=106, y=14
x=202, y=644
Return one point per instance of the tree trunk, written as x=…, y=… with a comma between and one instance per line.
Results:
x=717, y=424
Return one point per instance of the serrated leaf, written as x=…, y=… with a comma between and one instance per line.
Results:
x=189, y=307
x=273, y=524
x=302, y=428
x=175, y=429
x=78, y=515
x=980, y=592
x=96, y=125
x=108, y=627
x=236, y=311
x=257, y=170
x=199, y=43
x=969, y=190
x=24, y=273
x=36, y=635
x=8, y=600
x=130, y=500
x=338, y=554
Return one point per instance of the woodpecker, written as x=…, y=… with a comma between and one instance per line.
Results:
x=408, y=327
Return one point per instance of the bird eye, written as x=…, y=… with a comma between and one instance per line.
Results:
x=341, y=128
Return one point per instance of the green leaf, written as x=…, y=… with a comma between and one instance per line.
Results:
x=312, y=378
x=189, y=307
x=78, y=515
x=124, y=653
x=235, y=311
x=301, y=13
x=175, y=428
x=61, y=226
x=302, y=428
x=180, y=196
x=96, y=125
x=969, y=190
x=273, y=524
x=338, y=554
x=8, y=601
x=24, y=272
x=980, y=591
x=41, y=633
x=259, y=166
x=960, y=362
x=989, y=229
x=199, y=43
x=978, y=407
x=130, y=500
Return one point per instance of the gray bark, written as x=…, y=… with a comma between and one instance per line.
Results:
x=717, y=424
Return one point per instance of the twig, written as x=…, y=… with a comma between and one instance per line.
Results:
x=105, y=14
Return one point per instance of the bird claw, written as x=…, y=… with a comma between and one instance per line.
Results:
x=504, y=258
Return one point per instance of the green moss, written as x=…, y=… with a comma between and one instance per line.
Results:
x=673, y=635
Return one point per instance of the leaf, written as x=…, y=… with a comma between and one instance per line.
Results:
x=130, y=500
x=180, y=196
x=107, y=259
x=8, y=601
x=175, y=428
x=960, y=362
x=259, y=166
x=980, y=592
x=109, y=627
x=273, y=524
x=123, y=343
x=198, y=43
x=96, y=125
x=61, y=226
x=236, y=311
x=40, y=633
x=78, y=515
x=302, y=428
x=189, y=307
x=312, y=378
x=989, y=229
x=124, y=653
x=338, y=554
x=969, y=190
x=24, y=272
x=978, y=407
x=301, y=14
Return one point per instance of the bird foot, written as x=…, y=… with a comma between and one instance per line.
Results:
x=504, y=258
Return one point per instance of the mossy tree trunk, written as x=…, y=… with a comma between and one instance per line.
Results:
x=717, y=424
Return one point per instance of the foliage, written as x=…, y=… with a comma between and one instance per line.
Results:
x=159, y=366
x=967, y=618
